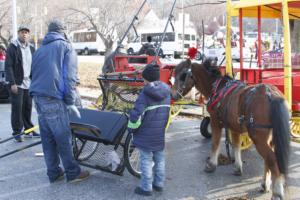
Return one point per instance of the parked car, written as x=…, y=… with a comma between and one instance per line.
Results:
x=218, y=51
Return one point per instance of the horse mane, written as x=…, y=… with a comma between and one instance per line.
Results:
x=212, y=68
x=229, y=78
x=184, y=64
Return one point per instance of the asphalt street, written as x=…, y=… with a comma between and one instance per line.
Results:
x=23, y=175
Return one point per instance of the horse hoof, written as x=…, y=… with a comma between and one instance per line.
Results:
x=237, y=172
x=209, y=167
x=263, y=188
x=277, y=197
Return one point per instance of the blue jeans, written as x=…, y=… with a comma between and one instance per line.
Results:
x=147, y=179
x=56, y=137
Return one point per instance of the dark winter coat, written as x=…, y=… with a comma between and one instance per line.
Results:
x=14, y=72
x=149, y=117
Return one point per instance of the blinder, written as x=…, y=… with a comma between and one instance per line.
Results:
x=185, y=77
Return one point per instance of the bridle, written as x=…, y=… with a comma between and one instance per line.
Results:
x=188, y=76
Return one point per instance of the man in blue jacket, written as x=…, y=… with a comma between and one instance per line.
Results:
x=147, y=121
x=54, y=74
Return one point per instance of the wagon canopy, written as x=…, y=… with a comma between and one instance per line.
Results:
x=269, y=8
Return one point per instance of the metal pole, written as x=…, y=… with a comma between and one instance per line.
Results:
x=164, y=33
x=259, y=43
x=203, y=42
x=21, y=149
x=35, y=28
x=131, y=24
x=241, y=44
x=228, y=40
x=287, y=54
x=183, y=27
x=14, y=19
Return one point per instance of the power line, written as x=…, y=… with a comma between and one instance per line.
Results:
x=200, y=4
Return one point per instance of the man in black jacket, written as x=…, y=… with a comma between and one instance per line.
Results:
x=18, y=74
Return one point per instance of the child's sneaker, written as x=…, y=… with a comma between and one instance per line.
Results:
x=142, y=192
x=157, y=188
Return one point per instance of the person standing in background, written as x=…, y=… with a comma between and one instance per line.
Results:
x=18, y=74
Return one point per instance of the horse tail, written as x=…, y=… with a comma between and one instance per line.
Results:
x=281, y=133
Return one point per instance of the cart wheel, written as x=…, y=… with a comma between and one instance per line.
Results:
x=132, y=157
x=83, y=149
x=129, y=95
x=295, y=128
x=205, y=128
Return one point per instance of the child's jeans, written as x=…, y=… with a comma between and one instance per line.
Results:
x=147, y=158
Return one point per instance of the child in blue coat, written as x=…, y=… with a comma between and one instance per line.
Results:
x=147, y=121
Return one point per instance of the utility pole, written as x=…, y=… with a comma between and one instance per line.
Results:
x=183, y=27
x=14, y=19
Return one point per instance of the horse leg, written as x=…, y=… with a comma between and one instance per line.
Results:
x=212, y=162
x=278, y=188
x=238, y=164
x=265, y=150
x=266, y=184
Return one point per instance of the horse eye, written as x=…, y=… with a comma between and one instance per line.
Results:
x=182, y=77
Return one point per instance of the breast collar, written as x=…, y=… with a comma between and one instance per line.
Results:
x=218, y=95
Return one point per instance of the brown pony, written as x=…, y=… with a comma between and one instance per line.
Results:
x=259, y=110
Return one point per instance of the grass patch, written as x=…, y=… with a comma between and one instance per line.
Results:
x=88, y=73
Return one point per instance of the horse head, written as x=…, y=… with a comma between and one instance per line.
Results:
x=188, y=75
x=184, y=81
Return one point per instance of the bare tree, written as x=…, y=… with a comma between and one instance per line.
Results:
x=107, y=17
x=5, y=35
x=204, y=10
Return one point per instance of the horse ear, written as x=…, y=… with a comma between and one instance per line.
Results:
x=214, y=62
x=189, y=62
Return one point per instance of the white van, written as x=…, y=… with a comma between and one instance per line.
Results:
x=87, y=42
x=171, y=45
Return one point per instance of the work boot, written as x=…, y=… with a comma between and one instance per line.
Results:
x=82, y=176
x=60, y=177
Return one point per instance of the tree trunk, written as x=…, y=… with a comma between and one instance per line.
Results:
x=108, y=46
x=2, y=38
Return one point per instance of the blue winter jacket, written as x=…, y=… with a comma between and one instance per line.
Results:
x=149, y=117
x=54, y=69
